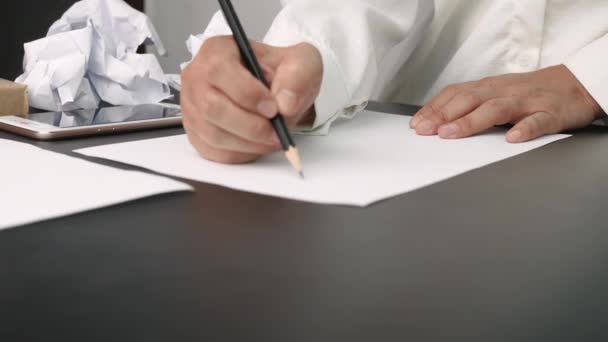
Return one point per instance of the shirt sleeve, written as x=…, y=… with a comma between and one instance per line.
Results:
x=354, y=38
x=590, y=68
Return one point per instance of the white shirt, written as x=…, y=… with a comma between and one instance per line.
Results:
x=397, y=50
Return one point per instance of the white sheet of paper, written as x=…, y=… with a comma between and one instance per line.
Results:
x=37, y=185
x=362, y=161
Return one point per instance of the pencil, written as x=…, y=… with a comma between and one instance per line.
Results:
x=252, y=64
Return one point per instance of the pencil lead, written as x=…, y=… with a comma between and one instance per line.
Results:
x=301, y=174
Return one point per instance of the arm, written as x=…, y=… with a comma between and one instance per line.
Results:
x=354, y=37
x=318, y=54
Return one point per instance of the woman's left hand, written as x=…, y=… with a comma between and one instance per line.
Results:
x=542, y=102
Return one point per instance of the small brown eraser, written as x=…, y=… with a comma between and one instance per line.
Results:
x=13, y=98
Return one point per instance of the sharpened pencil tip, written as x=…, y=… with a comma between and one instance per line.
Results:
x=301, y=174
x=294, y=158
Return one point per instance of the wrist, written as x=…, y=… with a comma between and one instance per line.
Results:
x=584, y=95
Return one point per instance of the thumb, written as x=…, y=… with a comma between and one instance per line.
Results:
x=534, y=126
x=297, y=80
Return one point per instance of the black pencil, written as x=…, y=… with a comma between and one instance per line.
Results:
x=252, y=64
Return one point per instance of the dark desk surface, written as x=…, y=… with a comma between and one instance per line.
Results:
x=517, y=251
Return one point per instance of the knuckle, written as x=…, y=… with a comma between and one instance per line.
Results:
x=291, y=67
x=426, y=111
x=452, y=89
x=439, y=113
x=536, y=92
x=506, y=110
x=212, y=104
x=496, y=106
x=519, y=102
x=470, y=97
x=213, y=67
x=211, y=42
x=215, y=42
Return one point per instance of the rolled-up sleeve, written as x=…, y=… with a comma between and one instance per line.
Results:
x=354, y=38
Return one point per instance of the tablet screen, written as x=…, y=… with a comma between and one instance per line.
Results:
x=107, y=115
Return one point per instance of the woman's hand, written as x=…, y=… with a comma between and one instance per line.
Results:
x=543, y=102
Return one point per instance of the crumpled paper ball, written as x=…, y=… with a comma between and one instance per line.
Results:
x=90, y=54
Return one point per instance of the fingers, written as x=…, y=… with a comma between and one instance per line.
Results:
x=491, y=113
x=214, y=142
x=221, y=140
x=226, y=110
x=438, y=102
x=215, y=155
x=216, y=108
x=248, y=92
x=461, y=104
x=297, y=81
x=221, y=69
x=534, y=126
x=545, y=101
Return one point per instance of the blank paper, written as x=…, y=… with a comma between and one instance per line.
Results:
x=370, y=158
x=37, y=185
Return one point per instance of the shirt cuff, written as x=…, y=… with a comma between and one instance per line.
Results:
x=333, y=100
x=589, y=67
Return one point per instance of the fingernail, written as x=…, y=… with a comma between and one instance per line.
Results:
x=426, y=127
x=514, y=136
x=449, y=130
x=288, y=100
x=268, y=108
